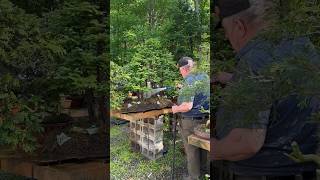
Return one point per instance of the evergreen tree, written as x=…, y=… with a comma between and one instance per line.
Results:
x=26, y=59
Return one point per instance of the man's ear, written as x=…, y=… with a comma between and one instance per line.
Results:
x=184, y=69
x=241, y=28
x=216, y=11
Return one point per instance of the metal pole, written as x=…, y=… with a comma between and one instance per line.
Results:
x=174, y=144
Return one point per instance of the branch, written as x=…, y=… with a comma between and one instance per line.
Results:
x=298, y=157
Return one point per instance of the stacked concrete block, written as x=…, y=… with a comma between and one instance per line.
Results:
x=148, y=134
x=134, y=136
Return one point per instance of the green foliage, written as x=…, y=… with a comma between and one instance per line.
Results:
x=54, y=48
x=26, y=58
x=151, y=63
x=18, y=122
x=295, y=18
x=147, y=39
x=297, y=156
x=118, y=78
x=75, y=27
x=297, y=76
x=37, y=7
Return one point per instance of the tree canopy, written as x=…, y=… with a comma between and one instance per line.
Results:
x=147, y=39
x=49, y=49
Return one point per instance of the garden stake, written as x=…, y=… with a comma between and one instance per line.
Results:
x=174, y=144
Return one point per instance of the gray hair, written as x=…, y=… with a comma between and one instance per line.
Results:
x=258, y=13
x=190, y=65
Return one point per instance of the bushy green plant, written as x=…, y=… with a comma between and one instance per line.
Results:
x=19, y=120
x=148, y=38
x=27, y=60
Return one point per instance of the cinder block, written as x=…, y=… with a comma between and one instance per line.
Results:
x=135, y=146
x=152, y=152
x=132, y=125
x=155, y=136
x=150, y=135
x=156, y=124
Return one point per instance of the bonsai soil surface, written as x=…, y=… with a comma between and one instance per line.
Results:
x=80, y=146
x=149, y=104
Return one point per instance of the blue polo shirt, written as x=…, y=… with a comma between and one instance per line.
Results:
x=284, y=121
x=196, y=89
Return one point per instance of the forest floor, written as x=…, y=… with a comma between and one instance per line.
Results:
x=80, y=146
x=129, y=165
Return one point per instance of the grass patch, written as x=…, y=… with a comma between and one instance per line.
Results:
x=129, y=165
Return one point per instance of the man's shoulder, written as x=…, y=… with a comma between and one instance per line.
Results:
x=193, y=77
x=258, y=54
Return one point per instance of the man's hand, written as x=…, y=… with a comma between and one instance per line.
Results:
x=208, y=124
x=174, y=109
x=179, y=86
x=223, y=77
x=184, y=107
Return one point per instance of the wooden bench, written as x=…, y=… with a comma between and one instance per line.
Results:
x=199, y=142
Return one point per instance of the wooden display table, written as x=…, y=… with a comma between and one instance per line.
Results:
x=199, y=142
x=140, y=115
x=83, y=112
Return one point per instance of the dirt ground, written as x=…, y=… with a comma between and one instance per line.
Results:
x=80, y=146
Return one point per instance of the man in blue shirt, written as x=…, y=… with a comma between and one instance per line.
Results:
x=193, y=99
x=256, y=150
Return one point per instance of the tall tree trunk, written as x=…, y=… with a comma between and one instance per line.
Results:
x=102, y=72
x=284, y=7
x=197, y=4
x=191, y=43
x=152, y=14
x=197, y=9
x=91, y=105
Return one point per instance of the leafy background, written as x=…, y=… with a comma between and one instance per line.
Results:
x=49, y=49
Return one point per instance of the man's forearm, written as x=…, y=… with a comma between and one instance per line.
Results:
x=222, y=150
x=223, y=77
x=238, y=145
x=184, y=107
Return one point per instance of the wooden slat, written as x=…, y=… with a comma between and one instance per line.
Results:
x=199, y=142
x=93, y=170
x=76, y=112
x=140, y=115
x=72, y=171
x=17, y=167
